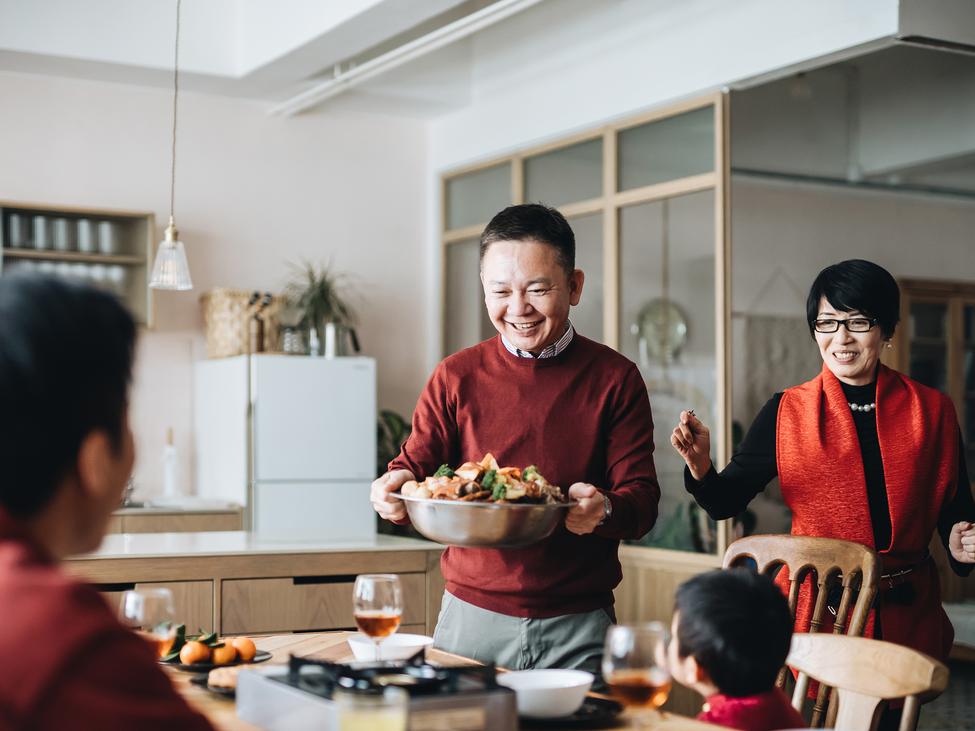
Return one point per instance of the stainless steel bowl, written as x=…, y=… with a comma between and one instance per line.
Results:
x=483, y=525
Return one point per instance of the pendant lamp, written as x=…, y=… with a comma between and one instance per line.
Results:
x=171, y=270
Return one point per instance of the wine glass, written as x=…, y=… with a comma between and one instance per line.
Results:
x=377, y=605
x=150, y=613
x=635, y=667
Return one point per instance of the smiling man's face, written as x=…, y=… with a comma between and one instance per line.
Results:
x=527, y=293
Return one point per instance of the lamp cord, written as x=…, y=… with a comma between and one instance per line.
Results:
x=172, y=179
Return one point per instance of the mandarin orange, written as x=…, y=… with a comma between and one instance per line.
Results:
x=245, y=648
x=194, y=652
x=225, y=654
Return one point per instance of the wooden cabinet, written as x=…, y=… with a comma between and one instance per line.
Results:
x=174, y=521
x=257, y=592
x=111, y=250
x=311, y=603
x=192, y=600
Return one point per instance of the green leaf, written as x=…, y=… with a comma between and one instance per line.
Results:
x=178, y=643
x=444, y=471
x=205, y=638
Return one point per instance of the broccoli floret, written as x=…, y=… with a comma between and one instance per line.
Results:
x=487, y=482
x=531, y=473
x=500, y=490
x=444, y=471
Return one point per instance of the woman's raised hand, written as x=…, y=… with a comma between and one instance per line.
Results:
x=693, y=441
x=961, y=542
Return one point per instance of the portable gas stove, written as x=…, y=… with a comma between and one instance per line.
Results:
x=298, y=697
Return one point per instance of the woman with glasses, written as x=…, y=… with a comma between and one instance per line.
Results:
x=862, y=453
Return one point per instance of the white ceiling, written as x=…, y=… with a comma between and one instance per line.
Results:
x=266, y=50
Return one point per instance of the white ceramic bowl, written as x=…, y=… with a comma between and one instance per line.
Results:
x=548, y=693
x=395, y=647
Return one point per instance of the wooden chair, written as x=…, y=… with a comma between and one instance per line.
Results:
x=864, y=674
x=827, y=558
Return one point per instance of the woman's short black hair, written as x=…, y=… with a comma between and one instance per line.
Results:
x=533, y=222
x=737, y=625
x=66, y=355
x=860, y=286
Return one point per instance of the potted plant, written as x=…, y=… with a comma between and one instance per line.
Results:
x=323, y=296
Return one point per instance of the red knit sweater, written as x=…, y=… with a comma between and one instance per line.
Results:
x=581, y=416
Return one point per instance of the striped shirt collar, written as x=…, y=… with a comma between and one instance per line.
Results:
x=549, y=352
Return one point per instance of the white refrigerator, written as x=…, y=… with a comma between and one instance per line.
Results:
x=292, y=438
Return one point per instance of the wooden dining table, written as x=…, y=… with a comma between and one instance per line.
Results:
x=333, y=646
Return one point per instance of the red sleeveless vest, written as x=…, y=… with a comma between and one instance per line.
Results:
x=821, y=473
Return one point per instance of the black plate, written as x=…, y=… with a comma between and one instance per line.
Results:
x=205, y=667
x=200, y=681
x=594, y=713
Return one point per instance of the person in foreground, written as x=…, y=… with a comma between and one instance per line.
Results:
x=729, y=639
x=537, y=394
x=66, y=453
x=863, y=453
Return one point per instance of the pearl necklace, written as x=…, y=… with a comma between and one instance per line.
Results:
x=864, y=407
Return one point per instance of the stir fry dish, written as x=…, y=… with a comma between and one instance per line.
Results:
x=485, y=482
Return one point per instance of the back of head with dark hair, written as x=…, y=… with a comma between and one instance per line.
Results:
x=860, y=286
x=533, y=222
x=737, y=625
x=66, y=355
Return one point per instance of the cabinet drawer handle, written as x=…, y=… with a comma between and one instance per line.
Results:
x=114, y=587
x=341, y=579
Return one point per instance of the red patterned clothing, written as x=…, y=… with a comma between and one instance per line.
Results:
x=580, y=416
x=67, y=662
x=764, y=712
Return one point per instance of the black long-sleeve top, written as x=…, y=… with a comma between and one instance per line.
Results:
x=726, y=494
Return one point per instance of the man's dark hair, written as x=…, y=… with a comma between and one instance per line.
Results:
x=860, y=286
x=533, y=222
x=737, y=625
x=66, y=354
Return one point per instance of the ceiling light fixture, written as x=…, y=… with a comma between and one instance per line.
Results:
x=171, y=270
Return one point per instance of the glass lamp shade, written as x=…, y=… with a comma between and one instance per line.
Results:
x=171, y=270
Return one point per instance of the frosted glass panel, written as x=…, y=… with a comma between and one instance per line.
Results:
x=476, y=197
x=587, y=316
x=668, y=149
x=565, y=176
x=467, y=321
x=667, y=326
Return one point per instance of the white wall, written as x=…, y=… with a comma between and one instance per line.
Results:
x=252, y=193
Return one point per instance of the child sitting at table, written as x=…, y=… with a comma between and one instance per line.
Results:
x=730, y=636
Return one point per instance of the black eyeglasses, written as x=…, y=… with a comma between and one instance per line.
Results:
x=853, y=325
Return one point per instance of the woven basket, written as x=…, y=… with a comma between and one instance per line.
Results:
x=227, y=319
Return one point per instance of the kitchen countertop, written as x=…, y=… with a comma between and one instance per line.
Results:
x=179, y=506
x=231, y=543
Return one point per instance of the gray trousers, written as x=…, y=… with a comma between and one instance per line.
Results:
x=517, y=643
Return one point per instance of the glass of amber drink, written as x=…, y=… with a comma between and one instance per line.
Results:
x=377, y=605
x=150, y=613
x=635, y=668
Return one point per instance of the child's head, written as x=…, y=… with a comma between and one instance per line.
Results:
x=732, y=630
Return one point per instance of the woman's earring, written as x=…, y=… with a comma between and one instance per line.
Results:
x=889, y=345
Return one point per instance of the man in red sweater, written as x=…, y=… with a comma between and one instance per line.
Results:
x=537, y=394
x=66, y=452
